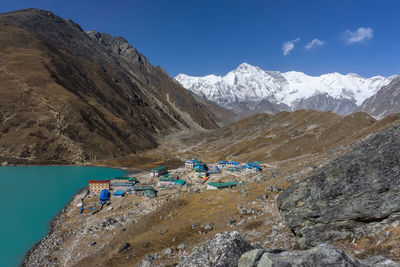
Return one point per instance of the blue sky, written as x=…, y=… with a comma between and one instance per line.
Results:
x=203, y=37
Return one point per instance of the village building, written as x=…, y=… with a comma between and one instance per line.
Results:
x=200, y=171
x=140, y=190
x=227, y=164
x=189, y=165
x=104, y=195
x=119, y=193
x=179, y=183
x=124, y=179
x=96, y=186
x=252, y=166
x=166, y=181
x=257, y=163
x=234, y=169
x=158, y=171
x=214, y=185
x=214, y=170
x=122, y=186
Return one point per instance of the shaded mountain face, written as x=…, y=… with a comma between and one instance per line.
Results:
x=325, y=102
x=71, y=96
x=247, y=85
x=386, y=101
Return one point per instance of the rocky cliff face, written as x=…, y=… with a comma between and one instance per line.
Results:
x=72, y=96
x=352, y=196
x=386, y=101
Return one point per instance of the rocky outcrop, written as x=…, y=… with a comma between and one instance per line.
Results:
x=386, y=101
x=354, y=195
x=325, y=102
x=223, y=250
x=323, y=255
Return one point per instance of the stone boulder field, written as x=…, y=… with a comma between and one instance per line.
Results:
x=322, y=255
x=354, y=196
x=231, y=249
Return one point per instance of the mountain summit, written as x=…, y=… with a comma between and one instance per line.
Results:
x=251, y=88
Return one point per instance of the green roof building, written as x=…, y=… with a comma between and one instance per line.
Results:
x=142, y=188
x=214, y=185
x=180, y=182
x=158, y=171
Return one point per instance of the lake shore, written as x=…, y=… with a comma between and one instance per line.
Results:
x=45, y=195
x=37, y=254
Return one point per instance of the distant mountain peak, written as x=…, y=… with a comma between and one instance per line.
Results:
x=251, y=84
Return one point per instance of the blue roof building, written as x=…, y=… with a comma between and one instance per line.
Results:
x=104, y=195
x=119, y=193
x=251, y=165
x=228, y=163
x=214, y=170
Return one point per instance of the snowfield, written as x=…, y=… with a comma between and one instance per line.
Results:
x=251, y=83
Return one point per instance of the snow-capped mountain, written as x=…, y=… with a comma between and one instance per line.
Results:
x=247, y=85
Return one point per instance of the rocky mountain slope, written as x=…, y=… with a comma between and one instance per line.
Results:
x=355, y=195
x=386, y=101
x=70, y=96
x=248, y=85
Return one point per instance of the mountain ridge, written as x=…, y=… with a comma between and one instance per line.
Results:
x=67, y=98
x=249, y=83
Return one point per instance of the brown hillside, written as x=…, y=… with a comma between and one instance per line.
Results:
x=65, y=97
x=283, y=136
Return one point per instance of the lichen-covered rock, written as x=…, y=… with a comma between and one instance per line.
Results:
x=167, y=251
x=356, y=194
x=223, y=250
x=380, y=261
x=323, y=255
x=250, y=258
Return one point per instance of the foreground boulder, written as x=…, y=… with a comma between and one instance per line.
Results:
x=354, y=195
x=323, y=255
x=224, y=249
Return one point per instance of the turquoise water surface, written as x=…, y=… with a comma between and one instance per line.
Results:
x=31, y=197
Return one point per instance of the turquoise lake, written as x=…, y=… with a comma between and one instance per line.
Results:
x=31, y=197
